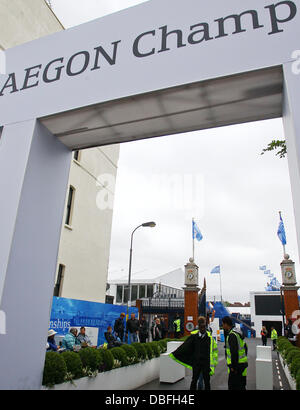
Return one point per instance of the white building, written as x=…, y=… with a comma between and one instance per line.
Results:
x=86, y=230
x=266, y=310
x=163, y=286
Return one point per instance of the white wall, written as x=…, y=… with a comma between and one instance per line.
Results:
x=85, y=245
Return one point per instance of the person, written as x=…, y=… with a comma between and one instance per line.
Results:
x=164, y=329
x=200, y=353
x=177, y=326
x=288, y=331
x=83, y=338
x=132, y=327
x=112, y=341
x=236, y=356
x=274, y=337
x=119, y=327
x=143, y=330
x=156, y=330
x=70, y=341
x=264, y=334
x=51, y=344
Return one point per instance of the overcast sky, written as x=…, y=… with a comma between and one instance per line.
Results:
x=218, y=177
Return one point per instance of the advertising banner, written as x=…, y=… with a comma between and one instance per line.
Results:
x=95, y=317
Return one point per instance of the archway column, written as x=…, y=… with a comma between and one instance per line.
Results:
x=34, y=170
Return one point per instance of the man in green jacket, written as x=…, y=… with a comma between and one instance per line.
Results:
x=236, y=351
x=200, y=353
x=274, y=337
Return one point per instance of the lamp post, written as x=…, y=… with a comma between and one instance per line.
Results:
x=146, y=224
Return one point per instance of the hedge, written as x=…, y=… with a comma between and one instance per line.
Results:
x=61, y=367
x=55, y=369
x=73, y=363
x=291, y=356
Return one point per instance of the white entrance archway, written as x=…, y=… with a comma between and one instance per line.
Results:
x=156, y=69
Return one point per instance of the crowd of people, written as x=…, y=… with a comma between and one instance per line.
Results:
x=130, y=331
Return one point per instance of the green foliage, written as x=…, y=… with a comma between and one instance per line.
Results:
x=275, y=145
x=292, y=354
x=108, y=359
x=90, y=358
x=73, y=363
x=131, y=353
x=163, y=345
x=155, y=348
x=295, y=366
x=149, y=350
x=120, y=355
x=141, y=350
x=298, y=380
x=55, y=369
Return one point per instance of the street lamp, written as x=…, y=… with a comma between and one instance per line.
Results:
x=146, y=224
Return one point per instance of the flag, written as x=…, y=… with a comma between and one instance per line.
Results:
x=196, y=232
x=267, y=272
x=263, y=267
x=281, y=232
x=216, y=269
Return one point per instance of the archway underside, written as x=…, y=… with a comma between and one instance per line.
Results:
x=240, y=98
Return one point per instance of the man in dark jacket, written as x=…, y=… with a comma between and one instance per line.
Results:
x=199, y=352
x=111, y=339
x=143, y=330
x=119, y=327
x=132, y=327
x=236, y=355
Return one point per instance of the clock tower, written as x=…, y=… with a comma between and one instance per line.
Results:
x=191, y=291
x=290, y=290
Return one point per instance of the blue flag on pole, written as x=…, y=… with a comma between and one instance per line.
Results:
x=216, y=269
x=263, y=267
x=196, y=232
x=267, y=272
x=281, y=232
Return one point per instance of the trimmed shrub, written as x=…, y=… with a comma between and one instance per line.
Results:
x=120, y=355
x=141, y=350
x=295, y=366
x=101, y=359
x=90, y=358
x=298, y=381
x=73, y=363
x=163, y=344
x=292, y=354
x=55, y=369
x=131, y=353
x=149, y=350
x=108, y=360
x=155, y=348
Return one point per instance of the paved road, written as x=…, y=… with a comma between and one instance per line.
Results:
x=219, y=380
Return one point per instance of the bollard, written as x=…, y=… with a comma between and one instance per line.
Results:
x=170, y=371
x=264, y=368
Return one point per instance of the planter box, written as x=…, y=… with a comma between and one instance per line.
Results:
x=123, y=378
x=290, y=378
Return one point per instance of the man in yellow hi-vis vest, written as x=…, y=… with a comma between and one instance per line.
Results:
x=177, y=326
x=274, y=337
x=200, y=353
x=236, y=355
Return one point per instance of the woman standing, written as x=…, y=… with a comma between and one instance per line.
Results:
x=264, y=334
x=156, y=330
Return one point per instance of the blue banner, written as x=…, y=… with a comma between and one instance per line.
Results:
x=94, y=316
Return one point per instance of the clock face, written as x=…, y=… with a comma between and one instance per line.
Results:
x=191, y=276
x=288, y=274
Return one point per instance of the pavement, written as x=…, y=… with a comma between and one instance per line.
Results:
x=219, y=380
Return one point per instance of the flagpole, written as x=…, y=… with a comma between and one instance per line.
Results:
x=284, y=252
x=193, y=239
x=221, y=285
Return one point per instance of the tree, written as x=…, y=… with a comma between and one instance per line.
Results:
x=276, y=145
